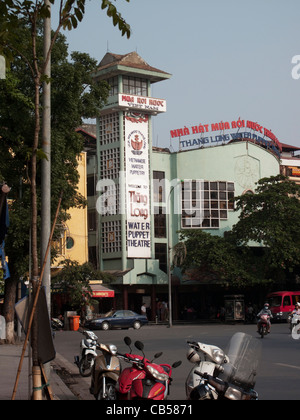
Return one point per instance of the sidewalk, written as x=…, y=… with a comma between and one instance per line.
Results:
x=10, y=356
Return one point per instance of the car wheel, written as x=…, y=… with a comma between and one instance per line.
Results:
x=105, y=326
x=137, y=325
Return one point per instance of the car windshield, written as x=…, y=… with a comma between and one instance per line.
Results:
x=275, y=300
x=296, y=299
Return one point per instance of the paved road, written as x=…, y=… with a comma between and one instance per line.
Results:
x=279, y=373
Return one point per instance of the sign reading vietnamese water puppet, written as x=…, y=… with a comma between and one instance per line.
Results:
x=137, y=185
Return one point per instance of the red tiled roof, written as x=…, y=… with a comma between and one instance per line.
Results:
x=288, y=147
x=131, y=59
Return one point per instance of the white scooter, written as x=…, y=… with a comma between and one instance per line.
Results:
x=221, y=376
x=294, y=319
x=86, y=360
x=208, y=359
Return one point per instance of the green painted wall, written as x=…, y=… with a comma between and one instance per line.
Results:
x=243, y=163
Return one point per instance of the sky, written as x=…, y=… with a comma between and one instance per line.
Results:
x=229, y=59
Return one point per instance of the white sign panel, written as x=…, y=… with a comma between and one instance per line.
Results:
x=137, y=185
x=142, y=103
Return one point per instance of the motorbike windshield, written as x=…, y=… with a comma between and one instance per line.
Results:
x=244, y=354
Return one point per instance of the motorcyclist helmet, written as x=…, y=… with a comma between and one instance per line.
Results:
x=193, y=356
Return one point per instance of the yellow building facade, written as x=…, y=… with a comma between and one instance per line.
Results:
x=73, y=241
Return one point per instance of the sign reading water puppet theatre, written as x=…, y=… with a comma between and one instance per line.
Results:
x=137, y=185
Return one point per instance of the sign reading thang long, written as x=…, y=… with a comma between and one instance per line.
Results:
x=137, y=185
x=200, y=134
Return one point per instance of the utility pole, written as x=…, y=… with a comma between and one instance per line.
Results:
x=46, y=163
x=46, y=170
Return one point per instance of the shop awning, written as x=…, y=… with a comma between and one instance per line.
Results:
x=98, y=290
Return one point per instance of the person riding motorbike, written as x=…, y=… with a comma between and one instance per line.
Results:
x=265, y=311
x=294, y=320
x=296, y=310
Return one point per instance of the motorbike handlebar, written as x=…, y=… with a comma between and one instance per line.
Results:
x=139, y=362
x=193, y=343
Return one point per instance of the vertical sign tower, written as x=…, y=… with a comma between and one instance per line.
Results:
x=124, y=146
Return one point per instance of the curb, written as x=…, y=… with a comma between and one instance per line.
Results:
x=69, y=374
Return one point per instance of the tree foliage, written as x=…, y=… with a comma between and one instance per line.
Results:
x=16, y=19
x=74, y=95
x=71, y=13
x=214, y=259
x=74, y=280
x=271, y=218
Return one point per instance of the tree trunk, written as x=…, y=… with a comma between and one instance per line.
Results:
x=9, y=308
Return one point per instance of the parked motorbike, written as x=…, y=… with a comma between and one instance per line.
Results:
x=105, y=373
x=88, y=346
x=236, y=379
x=263, y=326
x=56, y=324
x=144, y=379
x=208, y=359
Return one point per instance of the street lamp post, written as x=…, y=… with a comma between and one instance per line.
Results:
x=169, y=274
x=169, y=256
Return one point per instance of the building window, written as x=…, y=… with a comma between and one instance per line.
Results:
x=108, y=202
x=161, y=255
x=69, y=242
x=91, y=190
x=111, y=237
x=110, y=163
x=159, y=187
x=92, y=220
x=135, y=86
x=205, y=203
x=113, y=85
x=109, y=128
x=160, y=225
x=93, y=256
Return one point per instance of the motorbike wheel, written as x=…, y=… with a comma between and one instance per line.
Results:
x=262, y=331
x=296, y=332
x=110, y=393
x=85, y=366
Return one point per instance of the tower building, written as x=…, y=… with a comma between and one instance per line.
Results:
x=124, y=154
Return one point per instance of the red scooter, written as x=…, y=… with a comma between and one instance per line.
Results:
x=263, y=325
x=144, y=380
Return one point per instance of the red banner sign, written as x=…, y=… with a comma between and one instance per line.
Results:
x=221, y=126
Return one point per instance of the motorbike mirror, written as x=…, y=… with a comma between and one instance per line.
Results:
x=157, y=355
x=127, y=341
x=139, y=345
x=176, y=364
